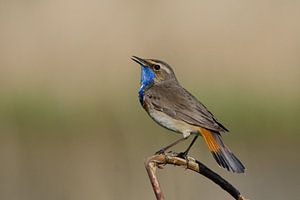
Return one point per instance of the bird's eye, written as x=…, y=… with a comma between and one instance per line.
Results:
x=156, y=67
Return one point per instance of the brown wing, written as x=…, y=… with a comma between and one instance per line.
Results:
x=178, y=103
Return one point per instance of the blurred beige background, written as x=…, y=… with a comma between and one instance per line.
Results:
x=71, y=126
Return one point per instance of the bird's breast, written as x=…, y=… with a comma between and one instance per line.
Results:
x=170, y=123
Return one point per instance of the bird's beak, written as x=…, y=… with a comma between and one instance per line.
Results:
x=140, y=60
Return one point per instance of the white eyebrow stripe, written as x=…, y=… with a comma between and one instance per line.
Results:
x=165, y=68
x=161, y=66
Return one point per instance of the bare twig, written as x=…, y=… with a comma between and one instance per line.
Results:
x=156, y=161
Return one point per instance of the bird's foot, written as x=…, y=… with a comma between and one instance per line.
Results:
x=184, y=155
x=161, y=151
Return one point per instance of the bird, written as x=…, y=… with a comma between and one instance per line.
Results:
x=176, y=109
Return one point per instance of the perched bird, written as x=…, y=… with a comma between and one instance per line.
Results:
x=173, y=107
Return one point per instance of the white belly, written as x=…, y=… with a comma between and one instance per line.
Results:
x=172, y=124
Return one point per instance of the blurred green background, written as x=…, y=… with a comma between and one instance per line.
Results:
x=71, y=126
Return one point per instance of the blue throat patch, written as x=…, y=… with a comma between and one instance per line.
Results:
x=147, y=76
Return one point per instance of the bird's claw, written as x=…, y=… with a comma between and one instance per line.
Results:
x=161, y=151
x=184, y=156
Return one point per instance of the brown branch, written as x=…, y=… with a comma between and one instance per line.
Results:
x=156, y=161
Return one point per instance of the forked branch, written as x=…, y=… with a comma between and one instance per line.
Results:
x=156, y=161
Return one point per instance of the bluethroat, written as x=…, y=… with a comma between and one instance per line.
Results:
x=173, y=107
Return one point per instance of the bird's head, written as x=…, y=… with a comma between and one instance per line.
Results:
x=154, y=71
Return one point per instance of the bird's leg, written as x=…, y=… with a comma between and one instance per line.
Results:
x=185, y=153
x=162, y=151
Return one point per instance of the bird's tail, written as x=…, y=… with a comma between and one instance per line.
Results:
x=224, y=157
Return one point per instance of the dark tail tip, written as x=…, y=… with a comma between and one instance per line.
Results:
x=228, y=160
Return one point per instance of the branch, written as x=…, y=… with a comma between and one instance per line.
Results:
x=156, y=161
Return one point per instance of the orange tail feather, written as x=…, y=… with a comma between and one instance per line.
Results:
x=224, y=157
